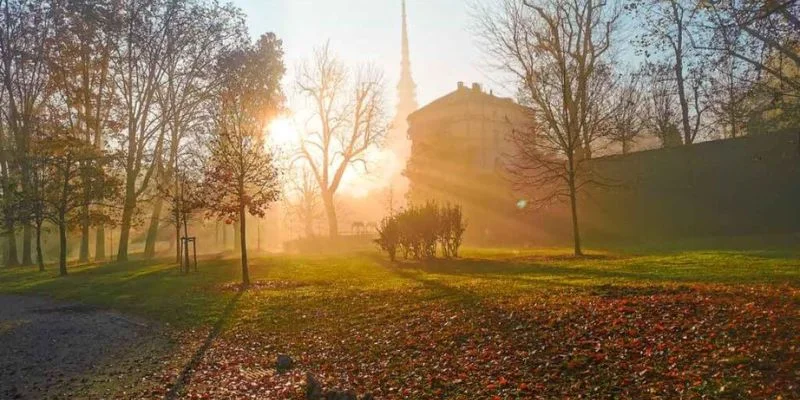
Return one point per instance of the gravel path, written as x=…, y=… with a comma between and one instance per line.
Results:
x=68, y=350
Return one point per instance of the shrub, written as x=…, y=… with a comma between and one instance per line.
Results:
x=419, y=230
x=453, y=227
x=389, y=236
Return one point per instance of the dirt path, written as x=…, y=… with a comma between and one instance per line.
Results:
x=67, y=350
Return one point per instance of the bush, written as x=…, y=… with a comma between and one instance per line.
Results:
x=389, y=236
x=419, y=230
x=452, y=229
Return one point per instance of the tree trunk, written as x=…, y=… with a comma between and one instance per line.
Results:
x=237, y=235
x=573, y=199
x=679, y=78
x=243, y=246
x=124, y=234
x=216, y=233
x=178, y=240
x=308, y=227
x=330, y=211
x=100, y=244
x=83, y=255
x=62, y=251
x=127, y=216
x=27, y=238
x=11, y=256
x=39, y=255
x=152, y=230
x=186, y=243
x=224, y=237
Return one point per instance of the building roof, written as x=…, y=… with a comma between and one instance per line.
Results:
x=464, y=94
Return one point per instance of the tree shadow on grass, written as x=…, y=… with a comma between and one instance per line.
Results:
x=188, y=370
x=604, y=269
x=506, y=269
x=436, y=286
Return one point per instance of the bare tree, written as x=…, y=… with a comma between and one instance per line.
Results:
x=660, y=112
x=730, y=103
x=350, y=119
x=759, y=43
x=26, y=30
x=626, y=119
x=197, y=34
x=668, y=36
x=186, y=196
x=241, y=176
x=80, y=73
x=303, y=198
x=764, y=35
x=12, y=198
x=559, y=54
x=138, y=73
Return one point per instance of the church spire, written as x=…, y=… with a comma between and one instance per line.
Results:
x=406, y=88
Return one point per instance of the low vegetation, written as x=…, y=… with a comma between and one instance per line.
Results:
x=418, y=231
x=492, y=324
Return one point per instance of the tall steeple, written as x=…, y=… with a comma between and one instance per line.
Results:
x=406, y=88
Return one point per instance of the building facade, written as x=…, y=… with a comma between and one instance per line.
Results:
x=459, y=143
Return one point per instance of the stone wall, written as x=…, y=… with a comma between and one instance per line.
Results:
x=733, y=187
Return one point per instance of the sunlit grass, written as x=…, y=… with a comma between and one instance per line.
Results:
x=321, y=286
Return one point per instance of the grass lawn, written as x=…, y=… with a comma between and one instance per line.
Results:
x=497, y=322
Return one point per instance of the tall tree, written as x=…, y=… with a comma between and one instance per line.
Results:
x=761, y=39
x=26, y=30
x=350, y=119
x=68, y=168
x=302, y=199
x=668, y=32
x=80, y=73
x=660, y=111
x=730, y=96
x=626, y=118
x=764, y=35
x=241, y=175
x=11, y=196
x=138, y=74
x=197, y=34
x=559, y=53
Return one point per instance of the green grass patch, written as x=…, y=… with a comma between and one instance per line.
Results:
x=507, y=323
x=325, y=283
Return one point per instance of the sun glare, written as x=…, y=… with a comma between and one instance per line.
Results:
x=282, y=132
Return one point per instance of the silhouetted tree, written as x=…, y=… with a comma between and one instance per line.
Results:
x=197, y=34
x=559, y=53
x=303, y=198
x=241, y=176
x=25, y=39
x=136, y=62
x=80, y=74
x=350, y=117
x=660, y=109
x=68, y=169
x=12, y=198
x=730, y=95
x=764, y=35
x=626, y=119
x=668, y=37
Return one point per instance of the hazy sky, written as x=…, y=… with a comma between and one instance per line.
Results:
x=443, y=50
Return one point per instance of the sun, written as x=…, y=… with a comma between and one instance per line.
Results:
x=282, y=133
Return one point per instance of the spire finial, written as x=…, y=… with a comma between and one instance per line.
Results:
x=405, y=33
x=406, y=88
